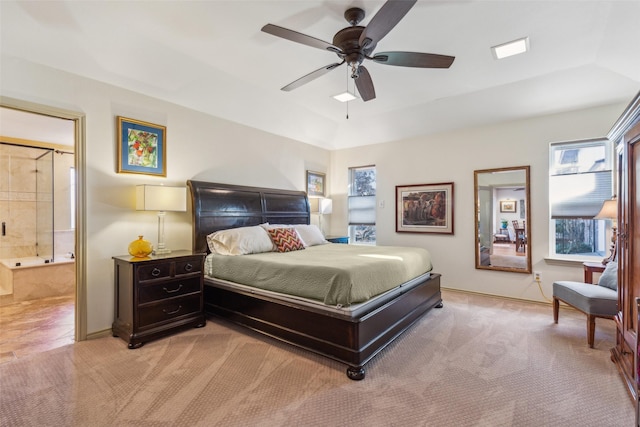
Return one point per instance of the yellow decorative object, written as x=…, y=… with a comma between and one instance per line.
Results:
x=140, y=248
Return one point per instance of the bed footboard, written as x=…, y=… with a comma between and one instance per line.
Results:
x=350, y=340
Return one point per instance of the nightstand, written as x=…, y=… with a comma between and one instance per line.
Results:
x=338, y=239
x=157, y=295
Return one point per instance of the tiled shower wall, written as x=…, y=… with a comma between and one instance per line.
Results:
x=18, y=201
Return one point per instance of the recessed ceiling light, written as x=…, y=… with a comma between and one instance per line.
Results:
x=344, y=96
x=511, y=48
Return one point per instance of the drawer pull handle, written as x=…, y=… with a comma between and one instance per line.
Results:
x=173, y=291
x=188, y=267
x=172, y=312
x=155, y=272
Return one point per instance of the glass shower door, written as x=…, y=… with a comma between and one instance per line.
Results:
x=44, y=206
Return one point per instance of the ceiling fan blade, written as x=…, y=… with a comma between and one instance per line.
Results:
x=297, y=37
x=387, y=17
x=414, y=59
x=365, y=84
x=311, y=76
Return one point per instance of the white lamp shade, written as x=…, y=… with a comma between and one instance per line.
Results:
x=609, y=210
x=325, y=206
x=161, y=198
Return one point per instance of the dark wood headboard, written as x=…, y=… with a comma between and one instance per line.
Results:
x=222, y=206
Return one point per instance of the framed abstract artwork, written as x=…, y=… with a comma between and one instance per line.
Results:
x=142, y=147
x=316, y=183
x=424, y=208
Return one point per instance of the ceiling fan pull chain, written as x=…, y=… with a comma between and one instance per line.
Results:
x=347, y=76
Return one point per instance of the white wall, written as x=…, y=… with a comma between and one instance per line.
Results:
x=208, y=148
x=452, y=157
x=199, y=147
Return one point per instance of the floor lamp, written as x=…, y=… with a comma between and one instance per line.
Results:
x=325, y=207
x=162, y=199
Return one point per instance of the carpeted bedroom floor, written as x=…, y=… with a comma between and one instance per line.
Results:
x=510, y=261
x=479, y=361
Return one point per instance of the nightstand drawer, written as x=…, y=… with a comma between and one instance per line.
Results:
x=154, y=271
x=168, y=289
x=189, y=266
x=168, y=310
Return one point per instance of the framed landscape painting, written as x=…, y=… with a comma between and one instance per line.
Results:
x=508, y=206
x=142, y=147
x=424, y=208
x=316, y=184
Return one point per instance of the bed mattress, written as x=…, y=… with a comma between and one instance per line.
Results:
x=334, y=274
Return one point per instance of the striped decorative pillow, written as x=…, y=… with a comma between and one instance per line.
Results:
x=285, y=239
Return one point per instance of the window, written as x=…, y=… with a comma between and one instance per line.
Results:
x=362, y=205
x=580, y=181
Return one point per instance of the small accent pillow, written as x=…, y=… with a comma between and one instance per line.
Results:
x=609, y=277
x=285, y=239
x=240, y=241
x=310, y=234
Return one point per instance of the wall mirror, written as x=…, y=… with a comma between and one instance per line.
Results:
x=502, y=223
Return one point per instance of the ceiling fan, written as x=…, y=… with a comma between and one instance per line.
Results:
x=354, y=44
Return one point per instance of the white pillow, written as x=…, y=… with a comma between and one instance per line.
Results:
x=310, y=234
x=240, y=241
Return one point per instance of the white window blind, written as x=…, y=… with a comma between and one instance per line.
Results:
x=580, y=178
x=361, y=205
x=362, y=210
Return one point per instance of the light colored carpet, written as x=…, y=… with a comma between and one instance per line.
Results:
x=508, y=261
x=479, y=361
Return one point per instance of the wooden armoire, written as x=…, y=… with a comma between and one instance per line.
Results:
x=626, y=136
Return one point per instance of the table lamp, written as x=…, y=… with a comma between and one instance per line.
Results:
x=609, y=210
x=162, y=199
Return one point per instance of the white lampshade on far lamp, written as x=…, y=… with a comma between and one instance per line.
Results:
x=609, y=211
x=321, y=207
x=325, y=206
x=162, y=199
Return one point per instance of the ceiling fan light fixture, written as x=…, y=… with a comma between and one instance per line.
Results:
x=514, y=47
x=344, y=97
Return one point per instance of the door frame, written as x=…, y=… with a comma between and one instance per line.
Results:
x=79, y=119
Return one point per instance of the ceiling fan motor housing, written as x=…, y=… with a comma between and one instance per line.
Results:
x=347, y=40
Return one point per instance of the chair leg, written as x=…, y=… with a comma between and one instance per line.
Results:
x=591, y=329
x=556, y=309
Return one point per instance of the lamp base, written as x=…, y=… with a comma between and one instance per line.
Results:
x=614, y=247
x=162, y=251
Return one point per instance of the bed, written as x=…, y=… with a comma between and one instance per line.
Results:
x=352, y=335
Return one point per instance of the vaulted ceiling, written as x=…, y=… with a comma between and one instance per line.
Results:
x=211, y=56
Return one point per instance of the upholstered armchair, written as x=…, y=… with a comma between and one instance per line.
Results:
x=594, y=300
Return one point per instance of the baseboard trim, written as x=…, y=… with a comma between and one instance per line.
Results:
x=99, y=334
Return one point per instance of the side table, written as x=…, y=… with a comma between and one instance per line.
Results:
x=338, y=239
x=157, y=295
x=590, y=268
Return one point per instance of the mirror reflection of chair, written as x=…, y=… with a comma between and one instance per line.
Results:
x=520, y=236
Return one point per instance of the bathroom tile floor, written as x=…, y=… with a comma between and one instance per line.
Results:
x=30, y=327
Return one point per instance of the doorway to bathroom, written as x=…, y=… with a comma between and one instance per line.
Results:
x=38, y=240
